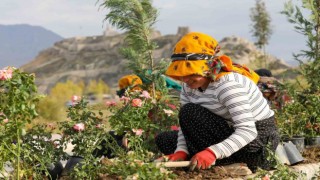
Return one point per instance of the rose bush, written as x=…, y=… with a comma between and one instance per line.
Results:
x=85, y=130
x=27, y=151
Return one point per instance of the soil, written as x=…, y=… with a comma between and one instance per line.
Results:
x=311, y=155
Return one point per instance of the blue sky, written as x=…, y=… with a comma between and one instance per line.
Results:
x=70, y=18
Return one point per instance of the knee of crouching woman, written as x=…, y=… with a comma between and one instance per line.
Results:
x=187, y=111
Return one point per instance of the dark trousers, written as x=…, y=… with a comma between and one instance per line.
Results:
x=202, y=128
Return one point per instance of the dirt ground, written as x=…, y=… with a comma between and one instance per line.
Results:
x=311, y=155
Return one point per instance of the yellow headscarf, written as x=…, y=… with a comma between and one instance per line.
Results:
x=195, y=53
x=132, y=81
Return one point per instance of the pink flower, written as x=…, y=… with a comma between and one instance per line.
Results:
x=138, y=132
x=172, y=106
x=6, y=120
x=266, y=177
x=174, y=128
x=168, y=112
x=125, y=99
x=6, y=73
x=145, y=94
x=75, y=98
x=98, y=126
x=136, y=102
x=111, y=103
x=78, y=127
x=51, y=126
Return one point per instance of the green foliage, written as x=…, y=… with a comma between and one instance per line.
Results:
x=84, y=130
x=261, y=28
x=50, y=109
x=281, y=171
x=261, y=24
x=290, y=118
x=304, y=108
x=137, y=18
x=309, y=27
x=97, y=87
x=132, y=168
x=64, y=91
x=30, y=152
x=53, y=108
x=139, y=111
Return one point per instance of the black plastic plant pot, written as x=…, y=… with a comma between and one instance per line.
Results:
x=107, y=152
x=55, y=170
x=299, y=142
x=312, y=141
x=71, y=163
x=285, y=138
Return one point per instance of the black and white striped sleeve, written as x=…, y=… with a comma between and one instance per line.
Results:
x=234, y=96
x=181, y=145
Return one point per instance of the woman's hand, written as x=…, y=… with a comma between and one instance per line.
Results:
x=203, y=160
x=177, y=156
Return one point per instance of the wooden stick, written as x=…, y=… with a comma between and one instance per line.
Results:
x=174, y=164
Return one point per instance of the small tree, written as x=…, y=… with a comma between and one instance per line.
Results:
x=309, y=27
x=137, y=17
x=309, y=63
x=261, y=28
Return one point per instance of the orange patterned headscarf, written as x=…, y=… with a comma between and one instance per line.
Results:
x=183, y=61
x=195, y=53
x=129, y=81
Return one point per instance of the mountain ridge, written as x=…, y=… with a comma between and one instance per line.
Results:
x=98, y=57
x=20, y=43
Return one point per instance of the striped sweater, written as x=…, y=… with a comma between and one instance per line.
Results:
x=235, y=98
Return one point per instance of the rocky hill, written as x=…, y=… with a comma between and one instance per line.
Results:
x=98, y=57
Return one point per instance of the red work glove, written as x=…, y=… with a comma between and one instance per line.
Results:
x=177, y=156
x=203, y=159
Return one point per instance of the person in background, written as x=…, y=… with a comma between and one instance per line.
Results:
x=224, y=117
x=269, y=86
x=132, y=82
x=135, y=82
x=127, y=83
x=266, y=85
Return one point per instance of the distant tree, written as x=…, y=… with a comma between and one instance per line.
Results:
x=63, y=91
x=309, y=27
x=98, y=88
x=261, y=28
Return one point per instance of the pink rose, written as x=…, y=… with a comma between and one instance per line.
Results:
x=111, y=103
x=78, y=127
x=5, y=120
x=138, y=132
x=174, y=128
x=125, y=99
x=171, y=106
x=75, y=98
x=266, y=177
x=136, y=102
x=145, y=94
x=6, y=73
x=51, y=126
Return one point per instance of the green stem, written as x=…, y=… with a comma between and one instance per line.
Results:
x=18, y=154
x=10, y=149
